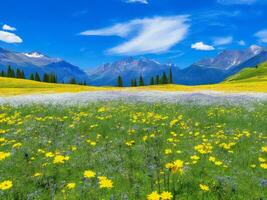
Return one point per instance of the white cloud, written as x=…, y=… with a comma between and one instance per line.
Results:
x=202, y=47
x=242, y=43
x=240, y=2
x=8, y=28
x=9, y=37
x=137, y=1
x=262, y=35
x=148, y=35
x=218, y=41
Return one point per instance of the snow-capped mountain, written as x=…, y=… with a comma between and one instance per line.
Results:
x=36, y=62
x=129, y=68
x=206, y=71
x=230, y=58
x=227, y=63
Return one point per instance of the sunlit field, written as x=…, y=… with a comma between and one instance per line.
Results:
x=133, y=151
x=11, y=87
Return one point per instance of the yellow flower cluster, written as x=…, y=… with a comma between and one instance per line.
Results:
x=104, y=182
x=5, y=185
x=165, y=195
x=176, y=166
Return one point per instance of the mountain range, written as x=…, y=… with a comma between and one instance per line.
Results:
x=205, y=71
x=36, y=62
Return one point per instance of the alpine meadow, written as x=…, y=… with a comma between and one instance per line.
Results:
x=133, y=100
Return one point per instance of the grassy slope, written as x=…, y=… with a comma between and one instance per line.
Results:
x=250, y=74
x=11, y=86
x=248, y=80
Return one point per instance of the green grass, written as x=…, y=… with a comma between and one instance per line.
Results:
x=250, y=74
x=135, y=170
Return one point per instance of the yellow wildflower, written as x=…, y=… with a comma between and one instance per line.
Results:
x=204, y=187
x=89, y=174
x=71, y=186
x=264, y=149
x=104, y=182
x=5, y=185
x=59, y=159
x=37, y=174
x=264, y=165
x=153, y=196
x=166, y=196
x=168, y=151
x=17, y=145
x=4, y=155
x=49, y=155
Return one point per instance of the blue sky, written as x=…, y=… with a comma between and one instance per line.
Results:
x=91, y=32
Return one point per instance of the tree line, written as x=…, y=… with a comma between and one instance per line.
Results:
x=157, y=80
x=47, y=77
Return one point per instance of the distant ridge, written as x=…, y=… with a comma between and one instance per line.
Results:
x=37, y=62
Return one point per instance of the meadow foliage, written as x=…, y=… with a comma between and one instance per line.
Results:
x=133, y=151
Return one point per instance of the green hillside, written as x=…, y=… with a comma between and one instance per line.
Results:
x=250, y=74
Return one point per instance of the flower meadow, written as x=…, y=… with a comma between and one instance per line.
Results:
x=129, y=151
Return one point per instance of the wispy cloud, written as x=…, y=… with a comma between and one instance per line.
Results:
x=9, y=37
x=137, y=1
x=148, y=35
x=262, y=35
x=218, y=41
x=202, y=47
x=8, y=28
x=240, y=2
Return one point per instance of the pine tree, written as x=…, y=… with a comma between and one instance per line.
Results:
x=152, y=82
x=9, y=71
x=164, y=79
x=157, y=80
x=133, y=83
x=3, y=73
x=18, y=73
x=170, y=76
x=32, y=76
x=141, y=81
x=37, y=77
x=22, y=74
x=45, y=78
x=119, y=82
x=72, y=81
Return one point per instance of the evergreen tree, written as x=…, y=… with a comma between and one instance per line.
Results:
x=164, y=79
x=10, y=72
x=32, y=76
x=133, y=83
x=37, y=77
x=157, y=80
x=52, y=78
x=72, y=81
x=141, y=81
x=18, y=73
x=152, y=82
x=3, y=73
x=170, y=77
x=45, y=78
x=22, y=74
x=119, y=82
